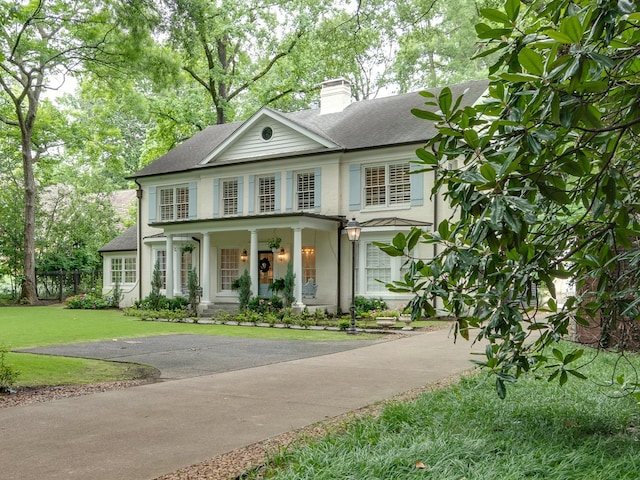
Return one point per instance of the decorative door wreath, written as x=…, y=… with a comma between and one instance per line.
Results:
x=265, y=265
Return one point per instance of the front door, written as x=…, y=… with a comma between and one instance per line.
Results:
x=265, y=273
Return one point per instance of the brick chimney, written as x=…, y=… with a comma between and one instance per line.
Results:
x=335, y=96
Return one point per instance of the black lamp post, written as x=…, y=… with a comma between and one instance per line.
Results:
x=353, y=232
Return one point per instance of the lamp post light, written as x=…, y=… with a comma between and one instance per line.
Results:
x=353, y=232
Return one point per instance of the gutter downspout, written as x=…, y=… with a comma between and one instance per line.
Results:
x=139, y=196
x=340, y=228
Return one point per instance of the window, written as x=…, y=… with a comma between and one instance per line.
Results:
x=387, y=185
x=267, y=133
x=230, y=197
x=229, y=267
x=129, y=270
x=174, y=203
x=123, y=270
x=377, y=267
x=116, y=270
x=305, y=190
x=186, y=265
x=266, y=194
x=309, y=264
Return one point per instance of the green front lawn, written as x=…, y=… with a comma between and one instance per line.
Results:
x=38, y=370
x=23, y=327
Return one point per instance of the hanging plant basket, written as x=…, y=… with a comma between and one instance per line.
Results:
x=274, y=243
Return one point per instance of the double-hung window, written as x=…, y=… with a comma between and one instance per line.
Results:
x=387, y=185
x=309, y=264
x=305, y=188
x=174, y=203
x=267, y=194
x=230, y=197
x=229, y=268
x=377, y=267
x=123, y=270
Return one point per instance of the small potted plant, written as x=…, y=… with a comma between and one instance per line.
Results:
x=385, y=318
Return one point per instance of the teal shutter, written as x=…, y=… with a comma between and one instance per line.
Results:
x=288, y=202
x=193, y=200
x=354, y=187
x=278, y=192
x=252, y=193
x=216, y=197
x=317, y=189
x=152, y=204
x=240, y=196
x=417, y=185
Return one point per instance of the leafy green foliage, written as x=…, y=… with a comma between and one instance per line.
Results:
x=243, y=285
x=289, y=284
x=369, y=304
x=544, y=180
x=88, y=301
x=155, y=297
x=265, y=305
x=193, y=288
x=8, y=374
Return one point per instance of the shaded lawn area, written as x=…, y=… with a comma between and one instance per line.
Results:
x=540, y=431
x=23, y=327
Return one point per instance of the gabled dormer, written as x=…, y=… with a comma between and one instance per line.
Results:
x=267, y=134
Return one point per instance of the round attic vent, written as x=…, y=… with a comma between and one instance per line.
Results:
x=267, y=133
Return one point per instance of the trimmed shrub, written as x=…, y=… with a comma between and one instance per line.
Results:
x=88, y=301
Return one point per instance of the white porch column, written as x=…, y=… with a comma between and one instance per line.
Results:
x=205, y=279
x=253, y=262
x=177, y=269
x=169, y=266
x=296, y=251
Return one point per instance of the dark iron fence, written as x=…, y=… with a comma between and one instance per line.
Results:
x=60, y=284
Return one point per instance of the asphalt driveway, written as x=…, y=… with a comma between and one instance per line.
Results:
x=187, y=356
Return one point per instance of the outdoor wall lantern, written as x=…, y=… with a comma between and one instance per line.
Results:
x=243, y=255
x=353, y=232
x=281, y=255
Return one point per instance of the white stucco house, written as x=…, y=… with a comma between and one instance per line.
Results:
x=214, y=202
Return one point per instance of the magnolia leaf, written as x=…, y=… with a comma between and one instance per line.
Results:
x=512, y=8
x=426, y=114
x=572, y=27
x=495, y=15
x=519, y=77
x=558, y=36
x=426, y=156
x=532, y=61
x=420, y=465
x=444, y=100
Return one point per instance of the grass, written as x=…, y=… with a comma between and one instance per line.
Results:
x=540, y=431
x=23, y=327
x=36, y=370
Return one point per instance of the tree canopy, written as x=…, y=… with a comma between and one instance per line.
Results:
x=545, y=182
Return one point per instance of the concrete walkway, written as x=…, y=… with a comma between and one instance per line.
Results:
x=147, y=431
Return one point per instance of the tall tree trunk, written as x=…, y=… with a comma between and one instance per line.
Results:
x=28, y=289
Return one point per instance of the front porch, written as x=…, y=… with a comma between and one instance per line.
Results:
x=220, y=250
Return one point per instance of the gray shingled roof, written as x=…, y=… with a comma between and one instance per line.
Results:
x=126, y=241
x=368, y=124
